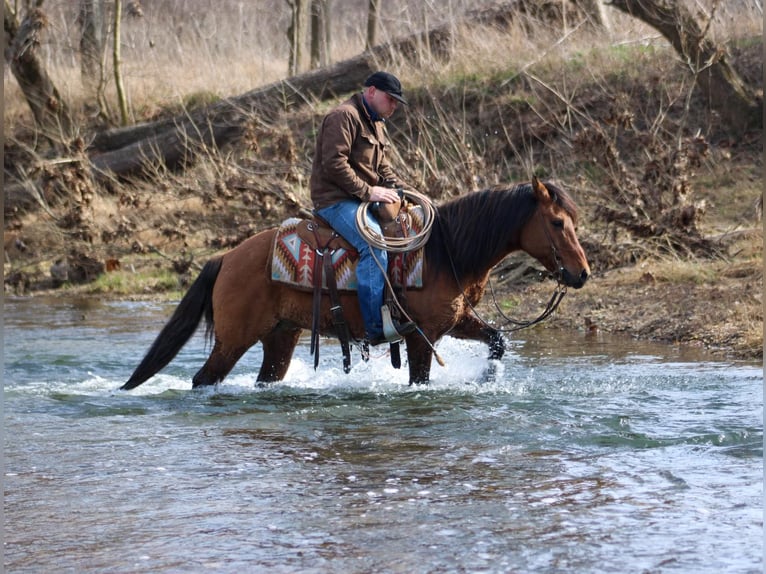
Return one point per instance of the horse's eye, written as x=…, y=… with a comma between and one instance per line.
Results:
x=558, y=223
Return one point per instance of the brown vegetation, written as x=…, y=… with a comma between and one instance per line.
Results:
x=670, y=200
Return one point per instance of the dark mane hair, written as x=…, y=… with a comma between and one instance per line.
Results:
x=478, y=227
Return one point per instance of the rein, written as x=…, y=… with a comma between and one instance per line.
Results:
x=553, y=303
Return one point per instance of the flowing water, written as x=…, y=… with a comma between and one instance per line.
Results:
x=573, y=454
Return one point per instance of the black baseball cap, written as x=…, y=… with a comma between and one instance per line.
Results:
x=387, y=83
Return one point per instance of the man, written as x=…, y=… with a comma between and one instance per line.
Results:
x=350, y=166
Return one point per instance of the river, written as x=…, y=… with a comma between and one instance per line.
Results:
x=575, y=453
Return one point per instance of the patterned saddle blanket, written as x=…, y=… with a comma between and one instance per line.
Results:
x=295, y=249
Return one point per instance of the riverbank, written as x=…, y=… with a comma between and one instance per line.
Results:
x=714, y=305
x=670, y=210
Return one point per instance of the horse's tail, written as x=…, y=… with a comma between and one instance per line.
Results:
x=197, y=302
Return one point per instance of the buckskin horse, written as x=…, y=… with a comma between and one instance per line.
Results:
x=470, y=235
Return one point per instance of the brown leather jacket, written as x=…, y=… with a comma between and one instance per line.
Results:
x=350, y=155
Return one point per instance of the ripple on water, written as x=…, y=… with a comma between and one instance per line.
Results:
x=568, y=455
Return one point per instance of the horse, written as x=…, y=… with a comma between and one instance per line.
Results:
x=470, y=235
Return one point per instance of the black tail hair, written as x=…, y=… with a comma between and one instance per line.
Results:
x=197, y=302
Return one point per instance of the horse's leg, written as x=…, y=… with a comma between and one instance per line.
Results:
x=419, y=356
x=278, y=347
x=469, y=327
x=218, y=365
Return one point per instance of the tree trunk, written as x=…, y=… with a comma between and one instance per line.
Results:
x=596, y=12
x=91, y=45
x=372, y=25
x=738, y=107
x=292, y=39
x=296, y=35
x=117, y=64
x=50, y=111
x=327, y=32
x=320, y=46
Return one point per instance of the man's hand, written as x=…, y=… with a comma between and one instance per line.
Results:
x=383, y=194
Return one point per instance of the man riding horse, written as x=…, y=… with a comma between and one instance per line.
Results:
x=243, y=304
x=351, y=167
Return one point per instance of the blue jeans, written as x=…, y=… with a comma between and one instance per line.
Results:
x=370, y=280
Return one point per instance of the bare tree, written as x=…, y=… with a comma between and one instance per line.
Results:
x=296, y=34
x=738, y=106
x=22, y=42
x=320, y=33
x=596, y=12
x=372, y=25
x=91, y=19
x=121, y=99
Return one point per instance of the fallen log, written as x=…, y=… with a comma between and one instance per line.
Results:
x=127, y=151
x=172, y=142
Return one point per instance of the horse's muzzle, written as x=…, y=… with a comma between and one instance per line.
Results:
x=572, y=280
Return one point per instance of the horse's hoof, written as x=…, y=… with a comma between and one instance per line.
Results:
x=365, y=351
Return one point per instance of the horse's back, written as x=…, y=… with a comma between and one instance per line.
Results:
x=244, y=268
x=256, y=244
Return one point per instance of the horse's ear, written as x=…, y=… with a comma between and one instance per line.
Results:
x=541, y=192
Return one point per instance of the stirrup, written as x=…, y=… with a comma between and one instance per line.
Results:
x=390, y=331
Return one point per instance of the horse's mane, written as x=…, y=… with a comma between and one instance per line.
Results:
x=478, y=227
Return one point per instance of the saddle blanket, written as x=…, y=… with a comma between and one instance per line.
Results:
x=294, y=252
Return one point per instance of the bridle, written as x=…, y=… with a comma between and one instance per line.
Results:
x=516, y=325
x=555, y=252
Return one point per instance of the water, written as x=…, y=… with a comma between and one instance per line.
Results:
x=573, y=454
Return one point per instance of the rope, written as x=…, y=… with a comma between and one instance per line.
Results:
x=398, y=244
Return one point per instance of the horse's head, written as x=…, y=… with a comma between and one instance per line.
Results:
x=550, y=236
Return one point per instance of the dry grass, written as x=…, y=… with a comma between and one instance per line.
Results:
x=221, y=47
x=225, y=47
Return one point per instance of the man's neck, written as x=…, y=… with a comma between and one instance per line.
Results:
x=374, y=116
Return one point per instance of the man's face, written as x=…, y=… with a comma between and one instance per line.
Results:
x=381, y=102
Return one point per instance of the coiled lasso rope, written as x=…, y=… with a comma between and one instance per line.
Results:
x=398, y=244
